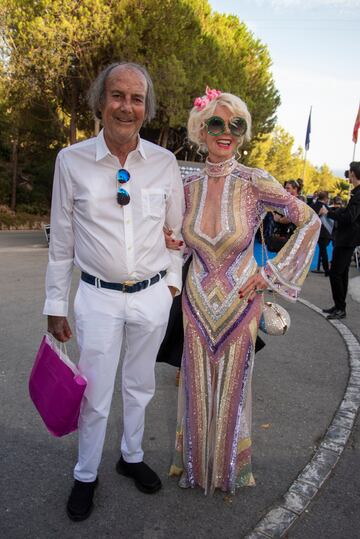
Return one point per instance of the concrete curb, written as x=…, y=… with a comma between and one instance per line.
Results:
x=277, y=522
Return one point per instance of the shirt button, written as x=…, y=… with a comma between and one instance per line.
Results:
x=128, y=222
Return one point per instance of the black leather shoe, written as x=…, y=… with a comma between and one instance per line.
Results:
x=336, y=315
x=145, y=478
x=80, y=502
x=330, y=310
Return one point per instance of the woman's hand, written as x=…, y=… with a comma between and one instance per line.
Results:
x=254, y=285
x=170, y=242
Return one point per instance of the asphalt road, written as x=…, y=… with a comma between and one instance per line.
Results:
x=299, y=381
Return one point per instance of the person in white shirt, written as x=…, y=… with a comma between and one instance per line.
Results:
x=112, y=196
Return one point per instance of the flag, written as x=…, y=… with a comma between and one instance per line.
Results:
x=308, y=131
x=356, y=127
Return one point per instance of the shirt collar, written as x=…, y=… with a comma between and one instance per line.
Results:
x=140, y=148
x=102, y=150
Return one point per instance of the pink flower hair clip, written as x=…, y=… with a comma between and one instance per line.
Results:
x=210, y=94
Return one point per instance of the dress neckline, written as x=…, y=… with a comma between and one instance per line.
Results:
x=223, y=210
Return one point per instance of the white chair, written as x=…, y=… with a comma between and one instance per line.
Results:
x=357, y=256
x=47, y=232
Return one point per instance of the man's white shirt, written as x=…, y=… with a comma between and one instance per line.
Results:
x=91, y=230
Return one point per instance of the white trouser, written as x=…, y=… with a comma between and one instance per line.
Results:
x=103, y=318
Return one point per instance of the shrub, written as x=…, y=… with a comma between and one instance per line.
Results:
x=21, y=220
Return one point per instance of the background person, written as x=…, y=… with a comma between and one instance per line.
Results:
x=327, y=225
x=112, y=196
x=294, y=187
x=222, y=300
x=277, y=227
x=337, y=202
x=347, y=237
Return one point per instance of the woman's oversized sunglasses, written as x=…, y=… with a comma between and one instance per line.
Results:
x=216, y=126
x=123, y=197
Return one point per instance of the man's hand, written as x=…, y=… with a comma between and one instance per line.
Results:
x=58, y=327
x=173, y=290
x=323, y=211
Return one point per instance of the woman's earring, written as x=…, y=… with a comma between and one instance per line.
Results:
x=238, y=152
x=202, y=151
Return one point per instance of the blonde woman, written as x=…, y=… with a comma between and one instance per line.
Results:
x=222, y=301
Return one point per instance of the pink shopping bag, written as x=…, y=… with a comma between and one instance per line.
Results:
x=56, y=388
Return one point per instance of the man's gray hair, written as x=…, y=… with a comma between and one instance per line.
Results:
x=96, y=94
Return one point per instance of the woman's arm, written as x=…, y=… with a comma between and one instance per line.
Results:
x=287, y=271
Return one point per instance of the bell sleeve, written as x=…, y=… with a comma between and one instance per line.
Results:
x=286, y=272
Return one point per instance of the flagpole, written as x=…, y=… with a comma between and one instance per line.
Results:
x=303, y=174
x=355, y=131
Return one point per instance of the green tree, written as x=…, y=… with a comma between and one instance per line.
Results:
x=55, y=47
x=239, y=63
x=274, y=153
x=51, y=49
x=163, y=35
x=49, y=54
x=319, y=179
x=194, y=48
x=341, y=188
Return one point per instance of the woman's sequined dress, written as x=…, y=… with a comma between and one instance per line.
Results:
x=213, y=438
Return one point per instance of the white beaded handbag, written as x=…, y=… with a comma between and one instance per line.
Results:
x=275, y=320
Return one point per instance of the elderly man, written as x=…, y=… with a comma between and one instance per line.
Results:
x=112, y=196
x=347, y=237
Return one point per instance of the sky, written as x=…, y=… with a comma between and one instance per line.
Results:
x=315, y=49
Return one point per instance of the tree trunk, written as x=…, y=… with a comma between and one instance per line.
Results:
x=164, y=136
x=15, y=153
x=96, y=126
x=73, y=111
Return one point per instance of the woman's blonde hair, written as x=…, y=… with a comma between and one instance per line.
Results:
x=197, y=118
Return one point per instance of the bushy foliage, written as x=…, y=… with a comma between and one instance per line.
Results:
x=274, y=153
x=51, y=50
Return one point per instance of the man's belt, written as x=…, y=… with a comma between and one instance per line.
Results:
x=127, y=286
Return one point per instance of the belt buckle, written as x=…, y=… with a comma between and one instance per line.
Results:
x=128, y=284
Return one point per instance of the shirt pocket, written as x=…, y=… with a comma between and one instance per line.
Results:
x=153, y=203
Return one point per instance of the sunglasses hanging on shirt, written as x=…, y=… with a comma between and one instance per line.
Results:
x=216, y=126
x=123, y=197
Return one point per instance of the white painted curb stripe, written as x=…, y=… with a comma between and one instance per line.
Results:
x=277, y=522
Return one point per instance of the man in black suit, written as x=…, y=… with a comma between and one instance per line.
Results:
x=347, y=237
